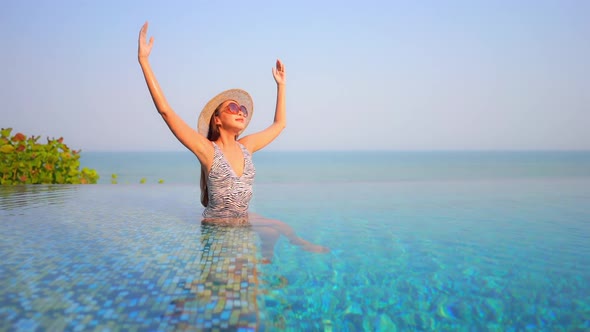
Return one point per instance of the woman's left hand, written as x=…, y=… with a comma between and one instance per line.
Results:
x=279, y=73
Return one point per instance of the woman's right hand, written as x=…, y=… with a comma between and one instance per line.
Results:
x=144, y=48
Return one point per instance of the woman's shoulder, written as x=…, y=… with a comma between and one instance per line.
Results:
x=244, y=144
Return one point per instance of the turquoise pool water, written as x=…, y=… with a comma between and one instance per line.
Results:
x=498, y=254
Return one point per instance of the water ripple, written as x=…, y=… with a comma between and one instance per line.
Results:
x=21, y=197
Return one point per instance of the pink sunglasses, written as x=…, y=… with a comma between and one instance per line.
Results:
x=234, y=108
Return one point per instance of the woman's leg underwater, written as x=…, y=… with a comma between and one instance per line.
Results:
x=268, y=233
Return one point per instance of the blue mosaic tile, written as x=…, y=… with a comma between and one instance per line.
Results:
x=96, y=258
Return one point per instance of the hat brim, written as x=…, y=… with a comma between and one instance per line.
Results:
x=239, y=95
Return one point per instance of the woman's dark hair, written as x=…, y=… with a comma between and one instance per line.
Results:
x=212, y=135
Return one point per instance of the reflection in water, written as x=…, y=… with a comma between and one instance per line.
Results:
x=31, y=196
x=225, y=294
x=91, y=248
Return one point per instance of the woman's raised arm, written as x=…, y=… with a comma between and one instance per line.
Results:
x=188, y=136
x=261, y=139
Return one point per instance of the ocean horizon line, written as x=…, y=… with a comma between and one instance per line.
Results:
x=364, y=150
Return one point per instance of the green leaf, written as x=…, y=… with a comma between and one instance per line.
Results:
x=5, y=132
x=6, y=148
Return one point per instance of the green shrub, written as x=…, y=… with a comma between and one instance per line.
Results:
x=24, y=161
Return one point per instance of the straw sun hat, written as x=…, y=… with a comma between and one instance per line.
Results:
x=241, y=96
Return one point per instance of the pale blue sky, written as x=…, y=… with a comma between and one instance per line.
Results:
x=415, y=75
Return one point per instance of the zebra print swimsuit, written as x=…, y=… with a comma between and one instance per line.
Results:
x=229, y=195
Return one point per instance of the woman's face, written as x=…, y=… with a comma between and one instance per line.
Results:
x=231, y=117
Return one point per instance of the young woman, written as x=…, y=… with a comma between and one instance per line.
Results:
x=228, y=260
x=227, y=171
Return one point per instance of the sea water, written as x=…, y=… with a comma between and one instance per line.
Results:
x=349, y=166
